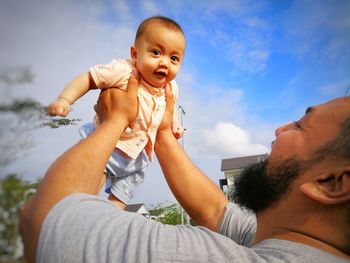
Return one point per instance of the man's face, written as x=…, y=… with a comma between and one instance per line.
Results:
x=158, y=55
x=319, y=125
x=264, y=184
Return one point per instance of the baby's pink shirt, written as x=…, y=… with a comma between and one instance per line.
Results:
x=152, y=106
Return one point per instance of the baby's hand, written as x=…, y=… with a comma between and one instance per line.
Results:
x=60, y=107
x=178, y=130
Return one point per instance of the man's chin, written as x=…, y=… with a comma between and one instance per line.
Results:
x=256, y=190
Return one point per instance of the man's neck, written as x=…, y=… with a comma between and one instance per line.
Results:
x=307, y=239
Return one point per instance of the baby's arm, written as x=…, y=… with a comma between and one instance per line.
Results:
x=72, y=91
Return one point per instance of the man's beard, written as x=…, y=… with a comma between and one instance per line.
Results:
x=262, y=185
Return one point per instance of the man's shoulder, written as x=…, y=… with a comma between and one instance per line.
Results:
x=278, y=250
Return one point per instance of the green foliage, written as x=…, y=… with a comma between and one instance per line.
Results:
x=229, y=192
x=56, y=123
x=18, y=106
x=21, y=117
x=169, y=214
x=13, y=192
x=34, y=114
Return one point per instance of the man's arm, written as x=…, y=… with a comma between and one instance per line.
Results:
x=79, y=169
x=197, y=194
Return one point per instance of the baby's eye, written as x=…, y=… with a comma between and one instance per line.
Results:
x=175, y=58
x=155, y=52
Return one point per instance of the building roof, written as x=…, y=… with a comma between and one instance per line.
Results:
x=134, y=207
x=241, y=162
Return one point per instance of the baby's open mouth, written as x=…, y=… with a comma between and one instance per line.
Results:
x=160, y=74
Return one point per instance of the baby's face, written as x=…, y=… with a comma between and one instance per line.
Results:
x=158, y=55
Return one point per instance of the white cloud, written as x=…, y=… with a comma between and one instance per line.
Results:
x=234, y=8
x=324, y=30
x=340, y=88
x=150, y=7
x=246, y=44
x=229, y=139
x=210, y=112
x=122, y=8
x=57, y=40
x=254, y=22
x=60, y=39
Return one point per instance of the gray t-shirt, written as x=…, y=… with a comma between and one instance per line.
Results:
x=87, y=228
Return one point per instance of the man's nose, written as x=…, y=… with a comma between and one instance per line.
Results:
x=283, y=128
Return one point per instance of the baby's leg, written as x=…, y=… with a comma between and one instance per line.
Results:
x=124, y=175
x=111, y=197
x=116, y=201
x=102, y=182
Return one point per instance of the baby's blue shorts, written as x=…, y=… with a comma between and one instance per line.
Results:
x=123, y=174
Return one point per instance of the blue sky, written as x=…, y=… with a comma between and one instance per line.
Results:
x=249, y=67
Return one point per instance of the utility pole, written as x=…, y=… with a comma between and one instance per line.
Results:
x=182, y=113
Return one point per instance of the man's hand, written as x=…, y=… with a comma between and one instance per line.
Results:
x=118, y=104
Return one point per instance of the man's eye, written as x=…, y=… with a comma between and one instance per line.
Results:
x=297, y=125
x=175, y=58
x=156, y=52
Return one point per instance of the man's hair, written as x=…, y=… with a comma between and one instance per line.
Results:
x=340, y=145
x=165, y=21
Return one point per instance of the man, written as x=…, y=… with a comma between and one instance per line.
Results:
x=302, y=217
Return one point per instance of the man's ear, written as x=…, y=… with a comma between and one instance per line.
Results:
x=329, y=188
x=133, y=54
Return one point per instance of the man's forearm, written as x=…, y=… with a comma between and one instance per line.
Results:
x=78, y=170
x=82, y=166
x=201, y=198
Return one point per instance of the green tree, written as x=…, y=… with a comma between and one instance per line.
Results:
x=13, y=192
x=22, y=117
x=19, y=119
x=168, y=214
x=229, y=193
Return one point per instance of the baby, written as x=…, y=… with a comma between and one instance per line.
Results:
x=156, y=57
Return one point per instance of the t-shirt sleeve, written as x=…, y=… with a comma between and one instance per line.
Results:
x=87, y=228
x=239, y=225
x=114, y=74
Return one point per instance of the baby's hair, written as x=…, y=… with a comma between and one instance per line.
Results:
x=165, y=21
